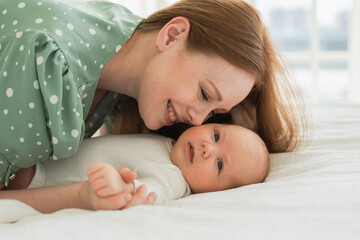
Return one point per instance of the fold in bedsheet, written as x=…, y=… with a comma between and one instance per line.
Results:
x=310, y=194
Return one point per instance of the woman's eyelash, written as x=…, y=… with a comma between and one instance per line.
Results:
x=204, y=94
x=206, y=97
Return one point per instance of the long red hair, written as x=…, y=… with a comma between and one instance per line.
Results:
x=233, y=30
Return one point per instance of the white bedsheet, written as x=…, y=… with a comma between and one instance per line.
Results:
x=312, y=194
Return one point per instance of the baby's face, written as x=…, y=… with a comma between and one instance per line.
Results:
x=215, y=157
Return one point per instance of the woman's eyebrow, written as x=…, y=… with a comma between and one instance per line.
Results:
x=219, y=97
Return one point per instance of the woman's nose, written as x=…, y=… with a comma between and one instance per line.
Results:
x=207, y=149
x=198, y=117
x=197, y=120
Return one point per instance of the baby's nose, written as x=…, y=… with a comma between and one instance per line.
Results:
x=207, y=149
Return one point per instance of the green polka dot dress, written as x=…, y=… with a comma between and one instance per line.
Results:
x=51, y=56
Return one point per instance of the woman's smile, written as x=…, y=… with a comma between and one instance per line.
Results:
x=171, y=116
x=171, y=111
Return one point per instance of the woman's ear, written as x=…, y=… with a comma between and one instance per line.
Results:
x=174, y=32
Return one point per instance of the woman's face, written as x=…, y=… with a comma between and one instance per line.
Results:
x=178, y=86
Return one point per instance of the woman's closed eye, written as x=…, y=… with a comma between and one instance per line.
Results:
x=206, y=98
x=204, y=95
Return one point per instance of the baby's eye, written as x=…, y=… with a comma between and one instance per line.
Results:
x=216, y=136
x=220, y=164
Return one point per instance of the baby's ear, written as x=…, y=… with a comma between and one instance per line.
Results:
x=174, y=32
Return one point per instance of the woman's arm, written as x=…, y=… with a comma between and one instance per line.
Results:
x=49, y=199
x=22, y=180
x=78, y=195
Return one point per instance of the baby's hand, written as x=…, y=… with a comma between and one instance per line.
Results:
x=110, y=189
x=107, y=181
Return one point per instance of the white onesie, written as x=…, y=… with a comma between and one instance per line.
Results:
x=146, y=154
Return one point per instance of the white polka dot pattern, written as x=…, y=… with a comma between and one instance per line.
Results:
x=51, y=55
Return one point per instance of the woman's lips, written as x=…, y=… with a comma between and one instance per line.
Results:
x=190, y=152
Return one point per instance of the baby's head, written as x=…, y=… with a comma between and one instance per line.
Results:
x=216, y=157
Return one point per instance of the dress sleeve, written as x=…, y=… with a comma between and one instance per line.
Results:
x=41, y=113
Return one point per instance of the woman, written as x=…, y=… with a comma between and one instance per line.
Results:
x=234, y=31
x=182, y=65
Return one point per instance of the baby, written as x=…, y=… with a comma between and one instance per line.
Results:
x=205, y=158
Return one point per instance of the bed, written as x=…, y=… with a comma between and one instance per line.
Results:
x=310, y=194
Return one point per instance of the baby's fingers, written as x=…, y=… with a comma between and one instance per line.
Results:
x=114, y=202
x=94, y=169
x=127, y=175
x=107, y=189
x=141, y=198
x=98, y=184
x=96, y=172
x=150, y=199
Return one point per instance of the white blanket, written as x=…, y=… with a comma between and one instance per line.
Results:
x=310, y=194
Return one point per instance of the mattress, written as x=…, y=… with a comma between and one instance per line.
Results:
x=313, y=193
